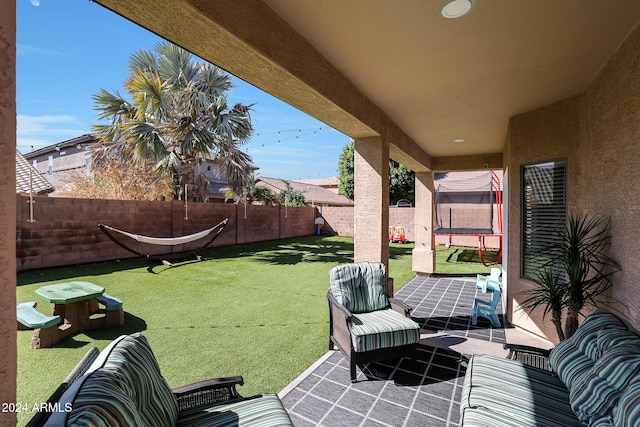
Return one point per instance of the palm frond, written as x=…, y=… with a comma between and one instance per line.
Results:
x=548, y=293
x=236, y=166
x=232, y=124
x=176, y=65
x=148, y=96
x=147, y=141
x=214, y=81
x=111, y=106
x=143, y=61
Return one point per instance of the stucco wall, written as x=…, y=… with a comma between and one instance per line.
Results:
x=339, y=220
x=612, y=165
x=598, y=132
x=8, y=356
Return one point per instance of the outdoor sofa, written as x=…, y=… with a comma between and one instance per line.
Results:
x=124, y=387
x=594, y=381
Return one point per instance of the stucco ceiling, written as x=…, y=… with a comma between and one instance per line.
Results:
x=355, y=64
x=446, y=79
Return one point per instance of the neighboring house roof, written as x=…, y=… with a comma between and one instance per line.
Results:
x=331, y=181
x=71, y=155
x=73, y=142
x=313, y=193
x=27, y=182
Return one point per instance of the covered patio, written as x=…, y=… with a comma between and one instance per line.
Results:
x=401, y=392
x=509, y=85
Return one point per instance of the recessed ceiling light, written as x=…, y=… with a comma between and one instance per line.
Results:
x=458, y=140
x=456, y=8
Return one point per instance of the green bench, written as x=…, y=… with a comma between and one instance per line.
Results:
x=31, y=318
x=110, y=303
x=45, y=328
x=114, y=314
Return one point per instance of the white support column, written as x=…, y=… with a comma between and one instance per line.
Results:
x=423, y=256
x=371, y=196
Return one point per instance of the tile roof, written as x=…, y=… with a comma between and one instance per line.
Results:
x=313, y=193
x=82, y=139
x=37, y=183
x=331, y=181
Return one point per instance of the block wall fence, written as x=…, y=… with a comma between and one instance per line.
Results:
x=65, y=231
x=339, y=221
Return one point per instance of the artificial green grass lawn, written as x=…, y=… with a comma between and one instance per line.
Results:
x=255, y=310
x=461, y=261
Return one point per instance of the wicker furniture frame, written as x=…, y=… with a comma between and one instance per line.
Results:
x=340, y=320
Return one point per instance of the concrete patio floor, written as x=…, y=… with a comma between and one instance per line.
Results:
x=403, y=392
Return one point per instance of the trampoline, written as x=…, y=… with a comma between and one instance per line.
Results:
x=469, y=204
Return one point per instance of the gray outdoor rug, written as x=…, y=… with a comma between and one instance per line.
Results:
x=393, y=393
x=400, y=392
x=443, y=304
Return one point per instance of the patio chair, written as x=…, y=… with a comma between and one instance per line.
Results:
x=487, y=309
x=364, y=323
x=494, y=276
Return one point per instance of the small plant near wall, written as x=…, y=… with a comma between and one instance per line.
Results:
x=577, y=272
x=549, y=294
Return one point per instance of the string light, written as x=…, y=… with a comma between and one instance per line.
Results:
x=313, y=132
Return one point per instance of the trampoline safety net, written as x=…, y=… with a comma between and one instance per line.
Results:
x=465, y=203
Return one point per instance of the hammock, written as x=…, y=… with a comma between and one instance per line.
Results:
x=165, y=241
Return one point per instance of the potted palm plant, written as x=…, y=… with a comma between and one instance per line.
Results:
x=549, y=294
x=578, y=271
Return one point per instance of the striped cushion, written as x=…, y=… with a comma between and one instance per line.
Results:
x=597, y=395
x=360, y=287
x=522, y=394
x=123, y=387
x=265, y=410
x=105, y=401
x=573, y=357
x=593, y=399
x=618, y=365
x=602, y=422
x=480, y=417
x=608, y=339
x=570, y=364
x=383, y=329
x=104, y=354
x=133, y=361
x=627, y=413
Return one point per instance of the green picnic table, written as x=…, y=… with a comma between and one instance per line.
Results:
x=74, y=302
x=69, y=292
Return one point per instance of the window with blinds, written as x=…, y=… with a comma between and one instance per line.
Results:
x=544, y=210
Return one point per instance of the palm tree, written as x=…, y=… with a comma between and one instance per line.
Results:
x=250, y=193
x=178, y=115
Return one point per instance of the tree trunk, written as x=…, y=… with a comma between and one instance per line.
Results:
x=571, y=322
x=556, y=318
x=187, y=178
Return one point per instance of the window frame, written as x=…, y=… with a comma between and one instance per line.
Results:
x=533, y=240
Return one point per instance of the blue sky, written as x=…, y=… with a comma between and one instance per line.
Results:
x=68, y=49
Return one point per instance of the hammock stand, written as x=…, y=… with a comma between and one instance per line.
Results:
x=166, y=241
